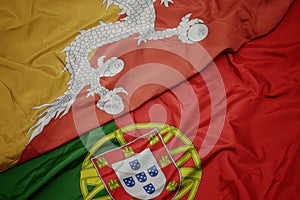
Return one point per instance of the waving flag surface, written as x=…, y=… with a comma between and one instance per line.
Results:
x=32, y=36
x=237, y=121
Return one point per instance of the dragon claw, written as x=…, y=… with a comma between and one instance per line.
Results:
x=112, y=103
x=192, y=31
x=120, y=90
x=111, y=67
x=166, y=2
x=141, y=39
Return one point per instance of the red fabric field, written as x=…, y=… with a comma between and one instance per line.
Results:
x=255, y=155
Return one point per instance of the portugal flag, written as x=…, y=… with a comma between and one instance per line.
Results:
x=150, y=100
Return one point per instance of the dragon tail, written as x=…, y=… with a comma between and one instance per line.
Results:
x=58, y=108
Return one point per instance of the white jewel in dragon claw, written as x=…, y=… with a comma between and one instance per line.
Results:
x=140, y=19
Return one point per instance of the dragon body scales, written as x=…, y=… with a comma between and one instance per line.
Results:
x=140, y=19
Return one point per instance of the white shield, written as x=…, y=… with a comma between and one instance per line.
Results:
x=140, y=175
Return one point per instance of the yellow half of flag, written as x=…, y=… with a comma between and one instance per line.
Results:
x=32, y=35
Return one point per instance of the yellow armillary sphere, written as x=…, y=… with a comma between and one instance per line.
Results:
x=92, y=186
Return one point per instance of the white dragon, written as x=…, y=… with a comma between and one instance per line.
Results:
x=140, y=19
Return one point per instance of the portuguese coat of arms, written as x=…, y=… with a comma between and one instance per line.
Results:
x=141, y=169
